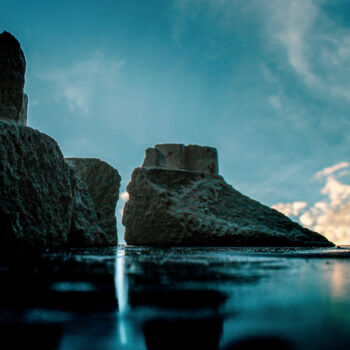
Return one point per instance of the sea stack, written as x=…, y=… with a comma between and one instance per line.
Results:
x=177, y=198
x=13, y=101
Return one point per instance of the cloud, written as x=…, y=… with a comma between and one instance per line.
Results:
x=290, y=209
x=300, y=34
x=330, y=170
x=331, y=216
x=78, y=84
x=316, y=46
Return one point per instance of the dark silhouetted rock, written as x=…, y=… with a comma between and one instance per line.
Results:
x=42, y=201
x=177, y=156
x=85, y=230
x=23, y=114
x=189, y=208
x=13, y=102
x=103, y=182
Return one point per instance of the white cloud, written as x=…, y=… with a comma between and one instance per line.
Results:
x=330, y=217
x=290, y=209
x=317, y=48
x=330, y=170
x=77, y=84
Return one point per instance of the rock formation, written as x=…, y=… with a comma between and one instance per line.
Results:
x=103, y=182
x=181, y=207
x=13, y=102
x=42, y=201
x=177, y=156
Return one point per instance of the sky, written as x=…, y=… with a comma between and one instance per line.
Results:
x=266, y=82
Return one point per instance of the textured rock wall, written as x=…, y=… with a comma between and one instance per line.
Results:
x=43, y=203
x=177, y=156
x=103, y=183
x=13, y=102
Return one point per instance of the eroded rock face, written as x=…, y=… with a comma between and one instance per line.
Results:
x=43, y=203
x=103, y=183
x=13, y=102
x=35, y=189
x=177, y=156
x=175, y=207
x=85, y=230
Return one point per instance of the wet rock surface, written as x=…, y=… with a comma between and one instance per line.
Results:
x=158, y=298
x=103, y=183
x=13, y=102
x=43, y=203
x=174, y=207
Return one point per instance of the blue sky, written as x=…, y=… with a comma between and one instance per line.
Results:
x=266, y=82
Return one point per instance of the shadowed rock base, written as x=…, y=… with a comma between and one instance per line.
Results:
x=183, y=208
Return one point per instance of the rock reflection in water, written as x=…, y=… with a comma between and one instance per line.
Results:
x=182, y=333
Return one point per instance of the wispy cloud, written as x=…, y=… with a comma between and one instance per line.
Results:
x=77, y=84
x=316, y=47
x=331, y=216
x=299, y=32
x=331, y=170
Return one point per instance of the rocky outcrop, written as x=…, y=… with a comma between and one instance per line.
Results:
x=43, y=203
x=103, y=183
x=177, y=156
x=13, y=102
x=190, y=208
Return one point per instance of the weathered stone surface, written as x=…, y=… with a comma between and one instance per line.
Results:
x=202, y=159
x=85, y=230
x=13, y=103
x=177, y=156
x=42, y=202
x=174, y=207
x=103, y=182
x=23, y=114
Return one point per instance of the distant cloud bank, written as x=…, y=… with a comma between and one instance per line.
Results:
x=331, y=216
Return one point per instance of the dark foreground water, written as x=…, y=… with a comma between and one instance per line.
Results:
x=178, y=298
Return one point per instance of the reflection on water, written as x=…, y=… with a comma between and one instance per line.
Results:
x=340, y=278
x=121, y=287
x=178, y=298
x=185, y=298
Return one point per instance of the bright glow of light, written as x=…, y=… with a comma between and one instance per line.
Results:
x=124, y=196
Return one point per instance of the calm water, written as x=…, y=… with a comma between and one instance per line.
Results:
x=178, y=298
